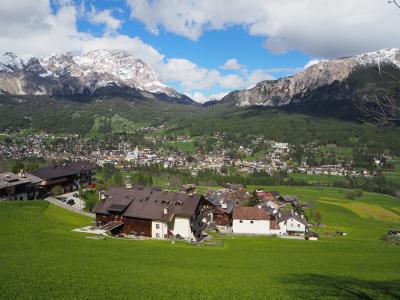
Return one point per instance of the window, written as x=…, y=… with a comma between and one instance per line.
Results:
x=158, y=226
x=157, y=235
x=241, y=221
x=251, y=222
x=298, y=225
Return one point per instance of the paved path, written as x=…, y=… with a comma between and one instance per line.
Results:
x=68, y=207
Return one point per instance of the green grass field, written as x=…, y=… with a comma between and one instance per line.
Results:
x=317, y=178
x=118, y=124
x=394, y=176
x=41, y=258
x=188, y=147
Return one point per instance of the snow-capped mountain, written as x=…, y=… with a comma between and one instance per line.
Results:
x=93, y=72
x=338, y=73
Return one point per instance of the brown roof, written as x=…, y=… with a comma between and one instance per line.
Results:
x=148, y=204
x=57, y=171
x=250, y=213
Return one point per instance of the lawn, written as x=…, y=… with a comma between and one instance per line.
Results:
x=41, y=258
x=317, y=178
x=394, y=176
x=187, y=147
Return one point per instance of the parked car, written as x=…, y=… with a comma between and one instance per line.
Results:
x=62, y=199
x=71, y=202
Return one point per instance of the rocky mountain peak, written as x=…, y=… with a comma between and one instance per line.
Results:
x=296, y=88
x=77, y=74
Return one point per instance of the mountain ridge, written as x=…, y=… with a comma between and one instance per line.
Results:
x=95, y=72
x=286, y=90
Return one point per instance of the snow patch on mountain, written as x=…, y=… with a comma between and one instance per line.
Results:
x=390, y=55
x=89, y=71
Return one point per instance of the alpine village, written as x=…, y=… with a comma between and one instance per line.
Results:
x=198, y=149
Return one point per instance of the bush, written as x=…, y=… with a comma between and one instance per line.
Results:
x=56, y=190
x=352, y=194
x=91, y=198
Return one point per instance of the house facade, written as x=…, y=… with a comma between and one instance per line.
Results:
x=253, y=220
x=21, y=186
x=292, y=223
x=151, y=213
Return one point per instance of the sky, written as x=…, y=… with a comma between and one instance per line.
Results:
x=204, y=48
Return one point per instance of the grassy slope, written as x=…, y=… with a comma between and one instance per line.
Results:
x=394, y=176
x=41, y=257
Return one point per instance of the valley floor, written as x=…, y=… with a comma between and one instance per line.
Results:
x=40, y=257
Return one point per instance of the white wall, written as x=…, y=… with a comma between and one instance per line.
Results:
x=161, y=231
x=293, y=226
x=246, y=227
x=182, y=227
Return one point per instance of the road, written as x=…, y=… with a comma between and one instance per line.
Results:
x=76, y=208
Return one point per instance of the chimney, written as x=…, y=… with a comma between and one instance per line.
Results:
x=279, y=215
x=302, y=216
x=103, y=195
x=21, y=174
x=165, y=210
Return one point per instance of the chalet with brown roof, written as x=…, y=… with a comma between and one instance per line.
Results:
x=151, y=213
x=253, y=220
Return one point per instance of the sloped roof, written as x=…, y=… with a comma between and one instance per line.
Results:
x=9, y=179
x=57, y=171
x=148, y=204
x=250, y=213
x=290, y=215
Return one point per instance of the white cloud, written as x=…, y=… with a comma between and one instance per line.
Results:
x=313, y=62
x=321, y=28
x=33, y=28
x=193, y=77
x=232, y=65
x=201, y=98
x=104, y=18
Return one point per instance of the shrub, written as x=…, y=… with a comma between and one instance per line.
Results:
x=91, y=198
x=352, y=194
x=56, y=190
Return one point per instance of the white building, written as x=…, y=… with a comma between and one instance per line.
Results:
x=292, y=224
x=253, y=220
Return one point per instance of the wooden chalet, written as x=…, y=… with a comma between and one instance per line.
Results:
x=151, y=213
x=70, y=176
x=21, y=186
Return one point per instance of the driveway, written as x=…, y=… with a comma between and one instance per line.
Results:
x=77, y=207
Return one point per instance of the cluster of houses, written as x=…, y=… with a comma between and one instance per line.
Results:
x=38, y=183
x=118, y=151
x=151, y=213
x=268, y=217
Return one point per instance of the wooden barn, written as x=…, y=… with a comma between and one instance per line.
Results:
x=151, y=213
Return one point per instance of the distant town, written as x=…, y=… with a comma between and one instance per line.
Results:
x=260, y=155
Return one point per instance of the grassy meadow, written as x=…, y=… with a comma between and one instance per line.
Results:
x=40, y=257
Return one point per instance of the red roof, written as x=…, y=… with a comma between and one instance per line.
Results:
x=250, y=213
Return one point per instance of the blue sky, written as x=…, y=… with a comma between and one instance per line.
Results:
x=210, y=51
x=208, y=47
